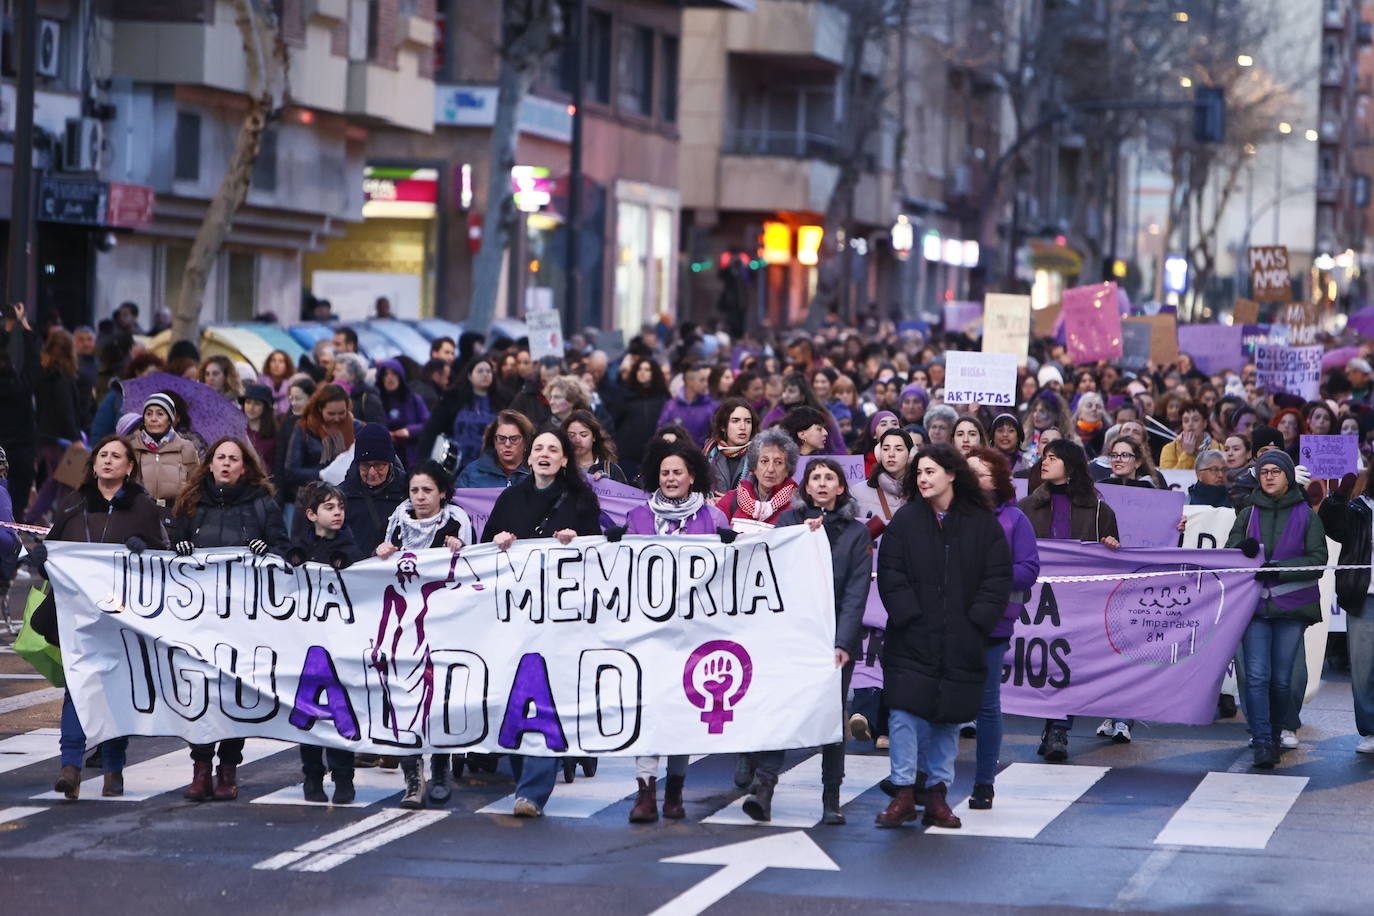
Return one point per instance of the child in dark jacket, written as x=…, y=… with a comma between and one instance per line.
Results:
x=324, y=539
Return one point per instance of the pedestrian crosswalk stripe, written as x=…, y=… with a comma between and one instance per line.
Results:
x=13, y=814
x=28, y=748
x=372, y=786
x=1029, y=796
x=336, y=848
x=614, y=780
x=31, y=698
x=1233, y=810
x=168, y=773
x=797, y=797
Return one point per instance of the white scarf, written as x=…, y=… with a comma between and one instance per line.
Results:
x=670, y=515
x=418, y=534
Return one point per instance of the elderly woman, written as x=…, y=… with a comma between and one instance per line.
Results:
x=350, y=374
x=1210, y=489
x=165, y=458
x=939, y=424
x=1089, y=420
x=767, y=488
x=565, y=394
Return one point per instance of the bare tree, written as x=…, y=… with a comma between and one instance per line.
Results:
x=532, y=31
x=268, y=86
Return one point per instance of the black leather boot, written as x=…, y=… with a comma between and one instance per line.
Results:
x=759, y=804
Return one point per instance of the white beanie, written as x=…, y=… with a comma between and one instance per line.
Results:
x=1049, y=373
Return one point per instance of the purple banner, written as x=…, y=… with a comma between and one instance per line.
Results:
x=1144, y=517
x=853, y=468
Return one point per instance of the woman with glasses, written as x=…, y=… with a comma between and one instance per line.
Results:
x=1210, y=489
x=1128, y=464
x=504, y=450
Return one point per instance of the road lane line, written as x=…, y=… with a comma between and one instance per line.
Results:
x=1029, y=797
x=797, y=797
x=28, y=748
x=402, y=827
x=342, y=835
x=1139, y=884
x=1233, y=810
x=167, y=773
x=32, y=698
x=13, y=814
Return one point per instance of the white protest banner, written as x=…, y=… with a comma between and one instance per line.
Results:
x=1207, y=528
x=980, y=378
x=643, y=646
x=1296, y=370
x=546, y=333
x=853, y=466
x=1007, y=325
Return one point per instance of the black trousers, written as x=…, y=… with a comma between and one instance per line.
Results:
x=767, y=764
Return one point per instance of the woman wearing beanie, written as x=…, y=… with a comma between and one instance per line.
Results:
x=879, y=423
x=1281, y=525
x=166, y=459
x=912, y=404
x=262, y=423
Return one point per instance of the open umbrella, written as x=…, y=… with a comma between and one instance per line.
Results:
x=1362, y=321
x=212, y=415
x=1339, y=357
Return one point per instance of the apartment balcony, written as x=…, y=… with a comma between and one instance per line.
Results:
x=793, y=144
x=811, y=33
x=758, y=182
x=1333, y=76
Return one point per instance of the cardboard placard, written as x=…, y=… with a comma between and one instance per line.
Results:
x=1044, y=321
x=1163, y=336
x=546, y=334
x=1246, y=311
x=1303, y=320
x=980, y=378
x=1269, y=278
x=71, y=470
x=1007, y=325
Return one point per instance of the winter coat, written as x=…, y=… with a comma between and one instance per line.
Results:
x=1128, y=481
x=946, y=587
x=1351, y=522
x=1091, y=519
x=636, y=419
x=694, y=417
x=725, y=478
x=286, y=490
x=59, y=406
x=464, y=424
x=1172, y=457
x=851, y=552
x=486, y=471
x=366, y=510
x=1209, y=494
x=707, y=520
x=1025, y=565
x=308, y=547
x=608, y=470
x=107, y=414
x=530, y=402
x=404, y=410
x=9, y=541
x=265, y=447
x=871, y=505
x=165, y=472
x=528, y=512
x=305, y=455
x=367, y=403
x=231, y=517
x=1274, y=514
x=88, y=517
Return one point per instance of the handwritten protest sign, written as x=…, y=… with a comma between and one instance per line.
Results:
x=640, y=646
x=1303, y=320
x=1092, y=322
x=1330, y=457
x=1007, y=325
x=980, y=378
x=546, y=333
x=1296, y=370
x=1269, y=279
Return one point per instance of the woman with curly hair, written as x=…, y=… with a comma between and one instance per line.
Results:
x=218, y=373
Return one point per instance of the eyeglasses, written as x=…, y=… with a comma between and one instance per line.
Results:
x=1269, y=472
x=1211, y=470
x=509, y=440
x=1122, y=456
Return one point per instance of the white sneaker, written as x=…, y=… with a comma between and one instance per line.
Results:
x=1107, y=728
x=1288, y=739
x=1121, y=734
x=526, y=808
x=1366, y=746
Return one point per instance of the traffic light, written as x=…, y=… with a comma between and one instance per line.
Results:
x=1209, y=114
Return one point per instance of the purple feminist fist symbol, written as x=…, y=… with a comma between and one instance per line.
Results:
x=723, y=665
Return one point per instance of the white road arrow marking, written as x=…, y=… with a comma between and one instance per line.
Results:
x=743, y=861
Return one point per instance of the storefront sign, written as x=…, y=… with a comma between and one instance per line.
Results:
x=131, y=205
x=72, y=200
x=400, y=192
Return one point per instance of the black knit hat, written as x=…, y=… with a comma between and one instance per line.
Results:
x=374, y=444
x=1279, y=458
x=1261, y=436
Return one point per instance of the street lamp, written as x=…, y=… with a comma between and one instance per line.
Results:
x=1285, y=127
x=1245, y=60
x=1180, y=16
x=1312, y=135
x=1185, y=82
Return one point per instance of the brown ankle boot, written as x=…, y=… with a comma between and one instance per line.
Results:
x=114, y=784
x=938, y=813
x=227, y=782
x=201, y=787
x=901, y=810
x=672, y=798
x=69, y=782
x=645, y=810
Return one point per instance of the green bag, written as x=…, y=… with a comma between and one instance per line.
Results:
x=32, y=647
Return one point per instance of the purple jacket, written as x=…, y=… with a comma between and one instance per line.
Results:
x=706, y=521
x=1025, y=564
x=404, y=409
x=834, y=440
x=694, y=417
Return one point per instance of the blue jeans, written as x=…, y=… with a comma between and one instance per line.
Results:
x=913, y=739
x=1270, y=645
x=73, y=742
x=537, y=776
x=990, y=716
x=1359, y=635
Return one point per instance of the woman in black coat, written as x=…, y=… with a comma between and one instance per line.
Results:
x=61, y=415
x=944, y=573
x=554, y=501
x=228, y=503
x=636, y=415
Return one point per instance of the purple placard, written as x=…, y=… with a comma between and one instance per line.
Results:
x=1330, y=457
x=1092, y=322
x=960, y=315
x=1213, y=347
x=1144, y=517
x=853, y=468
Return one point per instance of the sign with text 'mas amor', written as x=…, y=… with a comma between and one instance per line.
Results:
x=1269, y=279
x=643, y=646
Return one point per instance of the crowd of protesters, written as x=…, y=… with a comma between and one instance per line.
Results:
x=712, y=430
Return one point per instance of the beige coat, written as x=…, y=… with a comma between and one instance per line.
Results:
x=165, y=472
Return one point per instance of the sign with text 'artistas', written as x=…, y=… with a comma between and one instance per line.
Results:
x=980, y=378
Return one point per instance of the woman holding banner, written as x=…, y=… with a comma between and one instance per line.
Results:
x=228, y=503
x=677, y=506
x=1066, y=507
x=554, y=501
x=945, y=574
x=1280, y=523
x=109, y=508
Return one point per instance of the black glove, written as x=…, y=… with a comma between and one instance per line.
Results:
x=136, y=544
x=38, y=556
x=1267, y=574
x=1250, y=547
x=338, y=560
x=257, y=547
x=727, y=535
x=615, y=533
x=295, y=556
x=1346, y=488
x=185, y=548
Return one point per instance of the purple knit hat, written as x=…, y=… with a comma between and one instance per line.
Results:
x=873, y=420
x=914, y=391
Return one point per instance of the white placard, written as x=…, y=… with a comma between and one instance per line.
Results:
x=1007, y=325
x=546, y=334
x=980, y=378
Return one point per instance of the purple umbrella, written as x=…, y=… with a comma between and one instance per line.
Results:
x=1339, y=357
x=1362, y=321
x=212, y=415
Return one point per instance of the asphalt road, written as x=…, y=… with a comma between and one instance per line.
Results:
x=1173, y=822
